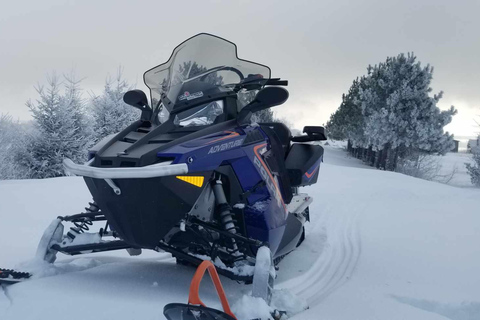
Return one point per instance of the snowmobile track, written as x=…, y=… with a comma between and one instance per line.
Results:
x=335, y=264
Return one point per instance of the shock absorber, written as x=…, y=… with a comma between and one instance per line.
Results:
x=92, y=207
x=82, y=224
x=226, y=215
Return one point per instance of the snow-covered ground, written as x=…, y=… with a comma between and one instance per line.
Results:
x=380, y=245
x=453, y=165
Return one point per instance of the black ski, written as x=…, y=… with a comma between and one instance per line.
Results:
x=8, y=276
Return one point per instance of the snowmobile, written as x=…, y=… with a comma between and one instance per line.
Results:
x=195, y=176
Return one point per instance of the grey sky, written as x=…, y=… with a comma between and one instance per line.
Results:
x=319, y=46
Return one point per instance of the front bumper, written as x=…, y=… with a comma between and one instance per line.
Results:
x=152, y=171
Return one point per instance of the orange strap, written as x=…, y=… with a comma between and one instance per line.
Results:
x=194, y=298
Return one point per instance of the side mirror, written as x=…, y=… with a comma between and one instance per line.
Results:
x=265, y=98
x=138, y=99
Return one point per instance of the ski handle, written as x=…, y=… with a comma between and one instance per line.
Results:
x=194, y=298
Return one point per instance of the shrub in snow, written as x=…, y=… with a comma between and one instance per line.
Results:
x=419, y=165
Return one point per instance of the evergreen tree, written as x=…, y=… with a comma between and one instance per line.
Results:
x=389, y=113
x=110, y=114
x=62, y=129
x=347, y=123
x=399, y=111
x=474, y=169
x=13, y=137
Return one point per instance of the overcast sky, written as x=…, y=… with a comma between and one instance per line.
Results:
x=319, y=46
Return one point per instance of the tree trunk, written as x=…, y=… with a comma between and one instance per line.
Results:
x=372, y=156
x=385, y=152
x=389, y=159
x=378, y=157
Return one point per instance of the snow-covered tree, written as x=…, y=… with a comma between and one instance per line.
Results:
x=110, y=114
x=474, y=169
x=389, y=112
x=62, y=129
x=347, y=123
x=13, y=137
x=398, y=109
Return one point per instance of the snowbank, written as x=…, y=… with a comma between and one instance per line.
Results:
x=380, y=245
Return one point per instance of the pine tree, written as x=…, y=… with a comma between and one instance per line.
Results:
x=13, y=137
x=399, y=111
x=347, y=123
x=389, y=113
x=62, y=130
x=474, y=169
x=110, y=114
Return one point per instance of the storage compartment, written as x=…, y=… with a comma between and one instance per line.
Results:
x=303, y=164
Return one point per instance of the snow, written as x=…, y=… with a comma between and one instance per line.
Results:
x=86, y=238
x=248, y=307
x=260, y=205
x=380, y=245
x=455, y=163
x=239, y=205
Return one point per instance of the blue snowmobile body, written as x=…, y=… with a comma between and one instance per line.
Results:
x=196, y=175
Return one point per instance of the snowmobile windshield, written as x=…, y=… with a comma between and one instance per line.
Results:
x=202, y=66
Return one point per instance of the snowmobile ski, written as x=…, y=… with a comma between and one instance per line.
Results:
x=8, y=276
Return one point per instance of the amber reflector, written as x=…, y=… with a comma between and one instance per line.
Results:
x=196, y=181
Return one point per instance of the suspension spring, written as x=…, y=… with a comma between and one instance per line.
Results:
x=226, y=218
x=92, y=207
x=82, y=225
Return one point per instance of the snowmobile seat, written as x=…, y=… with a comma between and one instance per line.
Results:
x=283, y=134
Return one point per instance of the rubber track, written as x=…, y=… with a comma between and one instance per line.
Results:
x=12, y=274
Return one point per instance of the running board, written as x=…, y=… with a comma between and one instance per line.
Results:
x=177, y=253
x=92, y=247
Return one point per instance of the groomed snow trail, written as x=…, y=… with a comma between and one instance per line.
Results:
x=339, y=253
x=335, y=263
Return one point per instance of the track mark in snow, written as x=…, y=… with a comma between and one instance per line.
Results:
x=42, y=269
x=5, y=303
x=336, y=263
